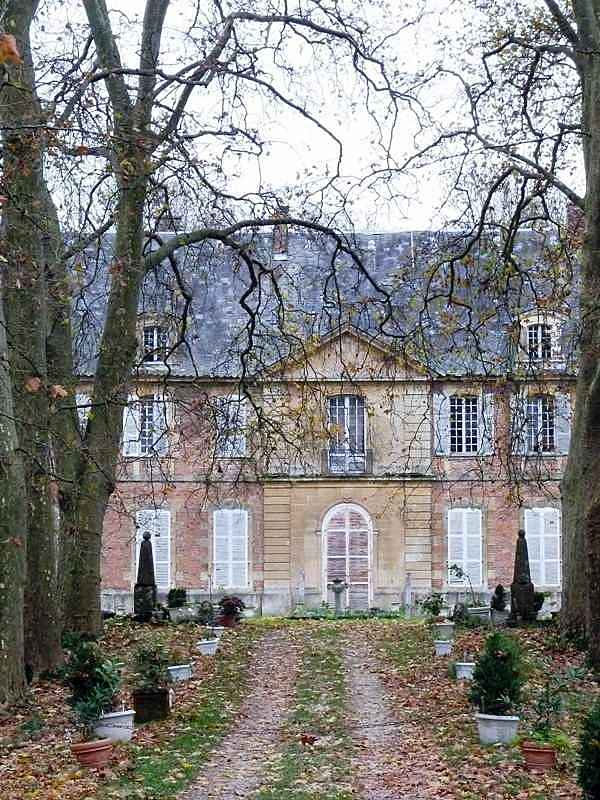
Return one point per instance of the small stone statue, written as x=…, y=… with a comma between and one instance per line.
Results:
x=144, y=593
x=521, y=589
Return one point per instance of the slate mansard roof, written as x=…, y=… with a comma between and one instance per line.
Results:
x=398, y=295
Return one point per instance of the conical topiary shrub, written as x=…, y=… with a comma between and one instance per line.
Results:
x=498, y=676
x=589, y=755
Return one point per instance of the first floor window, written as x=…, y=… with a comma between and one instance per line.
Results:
x=542, y=532
x=348, y=434
x=464, y=547
x=145, y=426
x=155, y=344
x=230, y=550
x=158, y=523
x=540, y=424
x=464, y=436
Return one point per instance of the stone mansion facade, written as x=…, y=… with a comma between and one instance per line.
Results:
x=379, y=449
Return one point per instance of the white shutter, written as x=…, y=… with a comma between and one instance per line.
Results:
x=518, y=423
x=158, y=523
x=456, y=545
x=486, y=425
x=230, y=548
x=473, y=548
x=534, y=521
x=562, y=422
x=551, y=547
x=441, y=423
x=82, y=401
x=131, y=428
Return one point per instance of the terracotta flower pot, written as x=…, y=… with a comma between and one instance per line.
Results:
x=94, y=754
x=151, y=706
x=538, y=757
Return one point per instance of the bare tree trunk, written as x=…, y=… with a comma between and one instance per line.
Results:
x=13, y=538
x=25, y=309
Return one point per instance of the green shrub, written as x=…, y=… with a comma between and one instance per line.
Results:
x=432, y=605
x=150, y=667
x=176, y=598
x=589, y=755
x=498, y=676
x=93, y=679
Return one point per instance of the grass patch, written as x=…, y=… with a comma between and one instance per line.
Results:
x=315, y=763
x=161, y=768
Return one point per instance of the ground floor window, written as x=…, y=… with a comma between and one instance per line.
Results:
x=465, y=547
x=158, y=523
x=230, y=549
x=542, y=532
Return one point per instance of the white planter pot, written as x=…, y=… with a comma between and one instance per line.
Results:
x=180, y=672
x=443, y=630
x=117, y=726
x=217, y=631
x=495, y=730
x=208, y=647
x=464, y=670
x=443, y=647
x=183, y=614
x=480, y=612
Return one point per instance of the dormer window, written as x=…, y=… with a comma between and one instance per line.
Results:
x=539, y=341
x=155, y=344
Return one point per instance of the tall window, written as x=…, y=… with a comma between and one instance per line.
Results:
x=145, y=431
x=230, y=551
x=539, y=341
x=347, y=429
x=464, y=433
x=540, y=424
x=158, y=524
x=464, y=547
x=542, y=532
x=155, y=344
x=230, y=414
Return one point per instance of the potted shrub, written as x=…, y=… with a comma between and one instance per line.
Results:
x=179, y=611
x=432, y=605
x=496, y=689
x=543, y=740
x=94, y=681
x=588, y=775
x=473, y=610
x=151, y=693
x=230, y=610
x=180, y=668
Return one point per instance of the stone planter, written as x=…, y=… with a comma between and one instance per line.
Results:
x=479, y=612
x=94, y=754
x=183, y=614
x=151, y=706
x=117, y=726
x=180, y=672
x=500, y=617
x=207, y=647
x=442, y=630
x=538, y=757
x=464, y=670
x=497, y=730
x=443, y=647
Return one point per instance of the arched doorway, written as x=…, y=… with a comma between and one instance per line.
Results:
x=347, y=535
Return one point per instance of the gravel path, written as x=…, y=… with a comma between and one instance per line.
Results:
x=393, y=760
x=237, y=766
